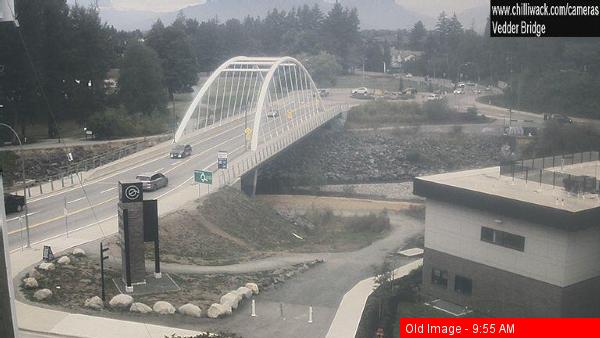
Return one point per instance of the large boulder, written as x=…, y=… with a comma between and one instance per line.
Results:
x=140, y=308
x=35, y=274
x=30, y=283
x=190, y=310
x=244, y=292
x=42, y=294
x=95, y=303
x=217, y=310
x=253, y=287
x=77, y=252
x=46, y=266
x=121, y=301
x=231, y=299
x=64, y=260
x=163, y=308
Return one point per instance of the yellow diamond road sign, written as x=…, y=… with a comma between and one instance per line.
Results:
x=290, y=114
x=247, y=131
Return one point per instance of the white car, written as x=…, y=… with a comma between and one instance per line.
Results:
x=433, y=97
x=458, y=91
x=361, y=90
x=273, y=114
x=408, y=75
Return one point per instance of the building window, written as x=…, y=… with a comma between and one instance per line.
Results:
x=439, y=277
x=503, y=238
x=463, y=285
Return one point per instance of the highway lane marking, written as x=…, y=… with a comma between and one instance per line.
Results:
x=131, y=168
x=62, y=234
x=113, y=198
x=76, y=200
x=60, y=217
x=159, y=170
x=174, y=163
x=107, y=190
x=16, y=218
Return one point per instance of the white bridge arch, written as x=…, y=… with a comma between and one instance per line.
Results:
x=271, y=94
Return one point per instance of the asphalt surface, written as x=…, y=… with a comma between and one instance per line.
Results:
x=96, y=200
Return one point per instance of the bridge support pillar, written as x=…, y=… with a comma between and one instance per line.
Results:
x=248, y=182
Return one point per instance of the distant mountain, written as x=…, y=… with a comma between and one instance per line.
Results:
x=374, y=14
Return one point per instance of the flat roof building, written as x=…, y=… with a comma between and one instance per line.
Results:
x=522, y=239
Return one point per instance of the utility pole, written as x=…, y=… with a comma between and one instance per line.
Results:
x=102, y=259
x=8, y=318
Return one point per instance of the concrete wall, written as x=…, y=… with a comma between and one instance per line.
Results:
x=551, y=255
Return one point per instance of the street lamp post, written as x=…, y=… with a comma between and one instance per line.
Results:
x=24, y=183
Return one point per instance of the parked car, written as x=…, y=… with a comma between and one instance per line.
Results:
x=361, y=90
x=409, y=91
x=323, y=92
x=433, y=97
x=458, y=91
x=461, y=85
x=180, y=151
x=273, y=114
x=409, y=75
x=561, y=118
x=13, y=203
x=152, y=181
x=471, y=84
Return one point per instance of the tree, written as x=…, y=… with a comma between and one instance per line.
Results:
x=141, y=86
x=340, y=33
x=175, y=53
x=322, y=67
x=417, y=35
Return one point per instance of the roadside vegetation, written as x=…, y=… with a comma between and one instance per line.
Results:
x=388, y=113
x=558, y=138
x=228, y=227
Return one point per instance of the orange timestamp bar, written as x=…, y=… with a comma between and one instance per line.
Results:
x=500, y=327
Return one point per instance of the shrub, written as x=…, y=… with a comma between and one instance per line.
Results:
x=370, y=223
x=114, y=123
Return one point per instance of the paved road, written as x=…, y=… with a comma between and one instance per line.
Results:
x=97, y=199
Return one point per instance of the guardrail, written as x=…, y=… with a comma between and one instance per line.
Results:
x=73, y=173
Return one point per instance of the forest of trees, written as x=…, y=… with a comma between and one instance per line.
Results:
x=53, y=66
x=552, y=75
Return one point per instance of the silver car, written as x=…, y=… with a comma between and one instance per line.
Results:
x=152, y=181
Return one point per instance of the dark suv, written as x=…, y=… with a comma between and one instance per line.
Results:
x=152, y=181
x=13, y=203
x=180, y=151
x=560, y=118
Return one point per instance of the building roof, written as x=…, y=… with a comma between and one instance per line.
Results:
x=539, y=198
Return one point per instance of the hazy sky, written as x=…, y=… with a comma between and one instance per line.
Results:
x=427, y=7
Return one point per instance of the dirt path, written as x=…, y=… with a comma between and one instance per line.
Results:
x=297, y=202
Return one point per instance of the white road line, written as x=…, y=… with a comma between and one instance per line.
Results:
x=159, y=170
x=130, y=168
x=107, y=190
x=76, y=200
x=174, y=163
x=13, y=219
x=32, y=213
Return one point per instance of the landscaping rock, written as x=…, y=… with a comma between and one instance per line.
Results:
x=140, y=308
x=46, y=266
x=231, y=299
x=253, y=287
x=244, y=292
x=190, y=310
x=217, y=310
x=163, y=308
x=35, y=274
x=30, y=283
x=95, y=303
x=77, y=252
x=42, y=294
x=64, y=260
x=122, y=301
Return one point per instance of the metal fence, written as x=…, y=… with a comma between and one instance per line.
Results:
x=551, y=171
x=69, y=174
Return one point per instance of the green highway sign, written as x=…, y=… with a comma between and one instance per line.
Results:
x=202, y=176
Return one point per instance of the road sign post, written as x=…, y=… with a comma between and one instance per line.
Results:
x=102, y=259
x=222, y=160
x=203, y=177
